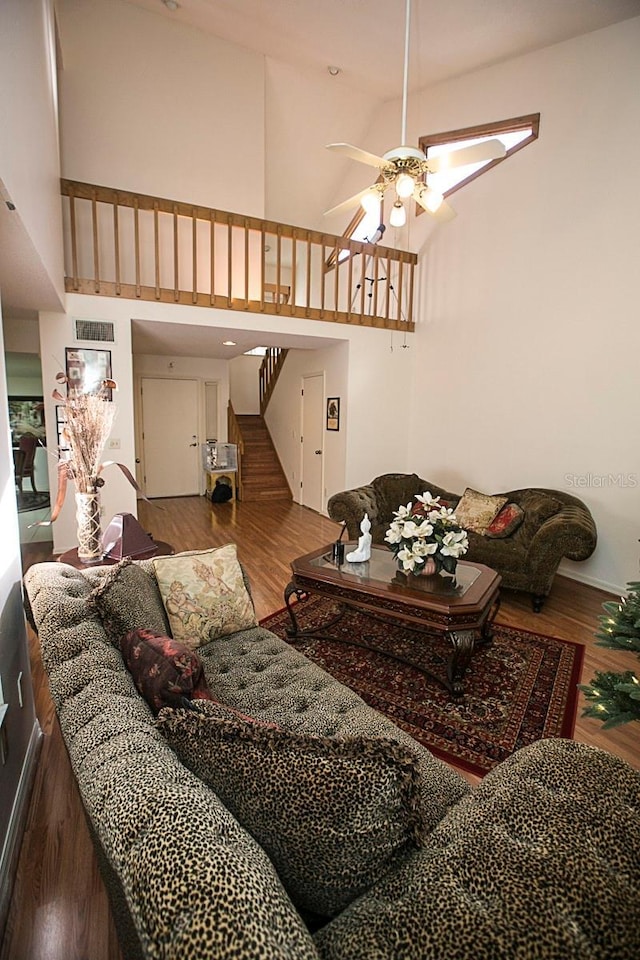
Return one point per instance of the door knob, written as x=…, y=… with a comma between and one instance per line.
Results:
x=137, y=459
x=319, y=452
x=193, y=444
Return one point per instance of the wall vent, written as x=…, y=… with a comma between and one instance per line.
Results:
x=96, y=331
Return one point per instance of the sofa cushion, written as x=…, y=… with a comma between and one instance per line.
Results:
x=128, y=599
x=204, y=594
x=476, y=511
x=506, y=522
x=164, y=670
x=538, y=507
x=332, y=814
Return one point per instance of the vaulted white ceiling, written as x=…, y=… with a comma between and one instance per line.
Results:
x=365, y=38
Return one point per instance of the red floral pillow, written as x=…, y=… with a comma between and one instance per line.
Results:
x=165, y=671
x=507, y=521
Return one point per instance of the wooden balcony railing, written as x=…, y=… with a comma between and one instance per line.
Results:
x=268, y=374
x=129, y=245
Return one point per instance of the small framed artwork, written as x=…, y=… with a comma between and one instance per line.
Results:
x=86, y=369
x=63, y=444
x=333, y=413
x=26, y=418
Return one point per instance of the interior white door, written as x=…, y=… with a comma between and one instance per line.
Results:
x=312, y=441
x=170, y=437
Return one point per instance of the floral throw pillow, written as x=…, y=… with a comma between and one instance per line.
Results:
x=164, y=671
x=476, y=511
x=204, y=595
x=507, y=522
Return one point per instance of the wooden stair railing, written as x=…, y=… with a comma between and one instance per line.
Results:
x=139, y=247
x=270, y=368
x=234, y=435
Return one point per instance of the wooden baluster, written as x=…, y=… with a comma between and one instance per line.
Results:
x=96, y=258
x=388, y=295
x=292, y=288
x=74, y=239
x=308, y=293
x=262, y=266
x=278, y=268
x=136, y=243
x=349, y=282
x=324, y=278
x=410, y=305
x=156, y=241
x=212, y=244
x=176, y=284
x=363, y=270
x=116, y=244
x=399, y=292
x=246, y=264
x=194, y=224
x=336, y=286
x=229, y=261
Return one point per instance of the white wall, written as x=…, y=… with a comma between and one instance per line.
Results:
x=244, y=384
x=29, y=161
x=527, y=352
x=171, y=111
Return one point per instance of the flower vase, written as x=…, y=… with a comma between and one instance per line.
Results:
x=428, y=568
x=88, y=523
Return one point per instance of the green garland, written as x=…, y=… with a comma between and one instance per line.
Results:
x=615, y=697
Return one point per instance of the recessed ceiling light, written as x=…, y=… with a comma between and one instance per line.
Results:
x=172, y=5
x=334, y=71
x=229, y=343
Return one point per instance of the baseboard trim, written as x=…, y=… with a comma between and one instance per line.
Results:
x=593, y=581
x=11, y=850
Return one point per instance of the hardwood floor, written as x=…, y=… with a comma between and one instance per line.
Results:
x=59, y=909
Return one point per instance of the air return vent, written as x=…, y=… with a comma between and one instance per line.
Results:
x=101, y=331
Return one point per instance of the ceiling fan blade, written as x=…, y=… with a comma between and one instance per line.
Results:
x=477, y=153
x=348, y=204
x=434, y=203
x=355, y=153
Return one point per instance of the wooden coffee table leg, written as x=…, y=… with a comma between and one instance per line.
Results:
x=289, y=591
x=463, y=642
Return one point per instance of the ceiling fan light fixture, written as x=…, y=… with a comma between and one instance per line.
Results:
x=405, y=185
x=429, y=198
x=398, y=215
x=370, y=202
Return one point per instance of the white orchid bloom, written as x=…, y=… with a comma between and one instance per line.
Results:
x=423, y=549
x=454, y=544
x=407, y=559
x=394, y=533
x=427, y=500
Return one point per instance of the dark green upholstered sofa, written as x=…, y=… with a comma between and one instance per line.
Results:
x=556, y=525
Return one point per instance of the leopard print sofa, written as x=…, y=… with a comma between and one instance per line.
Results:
x=540, y=860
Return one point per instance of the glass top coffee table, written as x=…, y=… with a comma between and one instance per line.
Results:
x=462, y=608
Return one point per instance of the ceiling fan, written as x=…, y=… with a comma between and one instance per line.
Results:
x=405, y=167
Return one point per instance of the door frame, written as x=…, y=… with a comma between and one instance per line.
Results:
x=303, y=377
x=137, y=421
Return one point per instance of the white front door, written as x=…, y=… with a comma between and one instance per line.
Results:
x=170, y=439
x=312, y=441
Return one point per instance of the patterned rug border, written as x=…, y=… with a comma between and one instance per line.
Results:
x=569, y=711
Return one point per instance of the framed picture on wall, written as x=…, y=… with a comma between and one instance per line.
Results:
x=26, y=418
x=87, y=368
x=333, y=413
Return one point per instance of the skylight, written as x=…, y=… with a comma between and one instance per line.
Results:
x=514, y=134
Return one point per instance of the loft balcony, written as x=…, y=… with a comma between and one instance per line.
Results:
x=139, y=247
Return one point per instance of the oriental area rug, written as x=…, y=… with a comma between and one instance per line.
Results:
x=519, y=688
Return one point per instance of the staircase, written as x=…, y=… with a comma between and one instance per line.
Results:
x=262, y=476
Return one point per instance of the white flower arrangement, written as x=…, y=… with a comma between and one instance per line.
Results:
x=426, y=529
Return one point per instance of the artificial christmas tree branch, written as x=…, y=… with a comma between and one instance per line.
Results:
x=614, y=698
